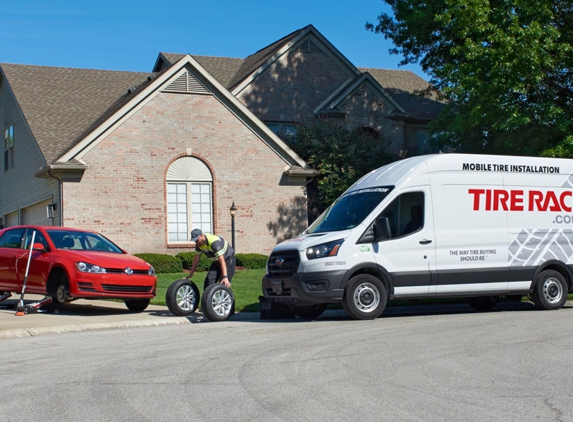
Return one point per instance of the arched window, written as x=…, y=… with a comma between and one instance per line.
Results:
x=189, y=198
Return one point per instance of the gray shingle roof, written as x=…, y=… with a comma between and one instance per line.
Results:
x=62, y=104
x=404, y=87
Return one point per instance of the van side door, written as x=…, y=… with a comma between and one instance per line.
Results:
x=408, y=255
x=471, y=229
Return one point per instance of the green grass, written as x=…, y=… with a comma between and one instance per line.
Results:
x=246, y=286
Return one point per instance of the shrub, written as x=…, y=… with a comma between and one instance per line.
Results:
x=162, y=263
x=187, y=260
x=252, y=261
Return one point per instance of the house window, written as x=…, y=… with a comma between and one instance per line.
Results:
x=189, y=199
x=189, y=206
x=283, y=130
x=423, y=143
x=9, y=147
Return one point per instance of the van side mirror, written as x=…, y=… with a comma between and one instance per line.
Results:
x=382, y=229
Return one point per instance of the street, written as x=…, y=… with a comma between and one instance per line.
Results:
x=450, y=364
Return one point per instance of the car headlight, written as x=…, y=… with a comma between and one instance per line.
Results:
x=84, y=267
x=150, y=271
x=324, y=250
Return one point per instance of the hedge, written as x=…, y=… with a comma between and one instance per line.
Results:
x=163, y=263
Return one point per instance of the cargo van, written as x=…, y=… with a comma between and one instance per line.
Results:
x=434, y=226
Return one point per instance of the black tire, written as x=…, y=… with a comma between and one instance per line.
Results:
x=182, y=297
x=218, y=302
x=550, y=290
x=482, y=303
x=309, y=311
x=137, y=305
x=365, y=297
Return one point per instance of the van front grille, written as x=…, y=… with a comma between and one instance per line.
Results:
x=283, y=263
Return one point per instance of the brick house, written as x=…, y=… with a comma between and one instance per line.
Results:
x=145, y=157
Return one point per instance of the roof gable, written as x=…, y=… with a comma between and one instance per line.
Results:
x=59, y=104
x=257, y=63
x=413, y=93
x=185, y=76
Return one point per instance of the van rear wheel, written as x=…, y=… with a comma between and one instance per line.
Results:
x=365, y=297
x=550, y=291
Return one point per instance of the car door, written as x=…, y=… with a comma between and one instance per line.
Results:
x=10, y=250
x=409, y=254
x=40, y=263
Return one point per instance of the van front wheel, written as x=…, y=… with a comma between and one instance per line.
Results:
x=365, y=297
x=550, y=291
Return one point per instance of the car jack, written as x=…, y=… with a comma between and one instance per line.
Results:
x=35, y=306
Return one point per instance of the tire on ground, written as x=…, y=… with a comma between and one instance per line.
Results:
x=182, y=297
x=218, y=302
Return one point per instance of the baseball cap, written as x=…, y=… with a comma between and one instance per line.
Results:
x=195, y=234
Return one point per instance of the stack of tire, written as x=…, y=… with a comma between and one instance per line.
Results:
x=217, y=303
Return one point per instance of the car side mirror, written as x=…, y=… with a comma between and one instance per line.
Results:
x=382, y=229
x=39, y=247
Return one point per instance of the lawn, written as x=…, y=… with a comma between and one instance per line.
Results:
x=246, y=287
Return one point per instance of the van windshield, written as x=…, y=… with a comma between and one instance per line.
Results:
x=349, y=210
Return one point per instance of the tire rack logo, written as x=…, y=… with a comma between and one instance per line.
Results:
x=128, y=271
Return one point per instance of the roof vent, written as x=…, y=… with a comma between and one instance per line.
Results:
x=132, y=89
x=186, y=83
x=308, y=46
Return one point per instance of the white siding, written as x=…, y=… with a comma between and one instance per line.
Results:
x=18, y=186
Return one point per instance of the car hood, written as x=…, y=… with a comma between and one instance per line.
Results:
x=106, y=259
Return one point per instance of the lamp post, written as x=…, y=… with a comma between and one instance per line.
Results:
x=233, y=212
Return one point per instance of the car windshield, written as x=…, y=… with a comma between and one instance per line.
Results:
x=83, y=241
x=349, y=210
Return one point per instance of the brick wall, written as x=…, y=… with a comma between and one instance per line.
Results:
x=123, y=192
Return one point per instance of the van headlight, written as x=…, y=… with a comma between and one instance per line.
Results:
x=324, y=250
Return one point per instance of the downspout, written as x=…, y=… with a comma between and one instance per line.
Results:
x=60, y=195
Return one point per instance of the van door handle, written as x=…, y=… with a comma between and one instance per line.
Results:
x=425, y=241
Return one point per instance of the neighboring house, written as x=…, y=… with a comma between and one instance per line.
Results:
x=145, y=157
x=303, y=77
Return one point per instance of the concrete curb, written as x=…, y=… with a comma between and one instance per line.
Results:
x=37, y=331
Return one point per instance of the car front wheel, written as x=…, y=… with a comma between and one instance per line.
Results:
x=137, y=305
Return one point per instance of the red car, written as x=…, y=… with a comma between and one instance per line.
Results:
x=70, y=264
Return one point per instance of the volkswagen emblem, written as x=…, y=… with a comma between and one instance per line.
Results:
x=128, y=271
x=280, y=261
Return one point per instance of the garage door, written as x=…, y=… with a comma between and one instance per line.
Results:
x=37, y=214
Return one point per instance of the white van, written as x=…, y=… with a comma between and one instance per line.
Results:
x=444, y=225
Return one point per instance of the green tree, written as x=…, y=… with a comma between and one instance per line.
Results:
x=504, y=67
x=341, y=157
